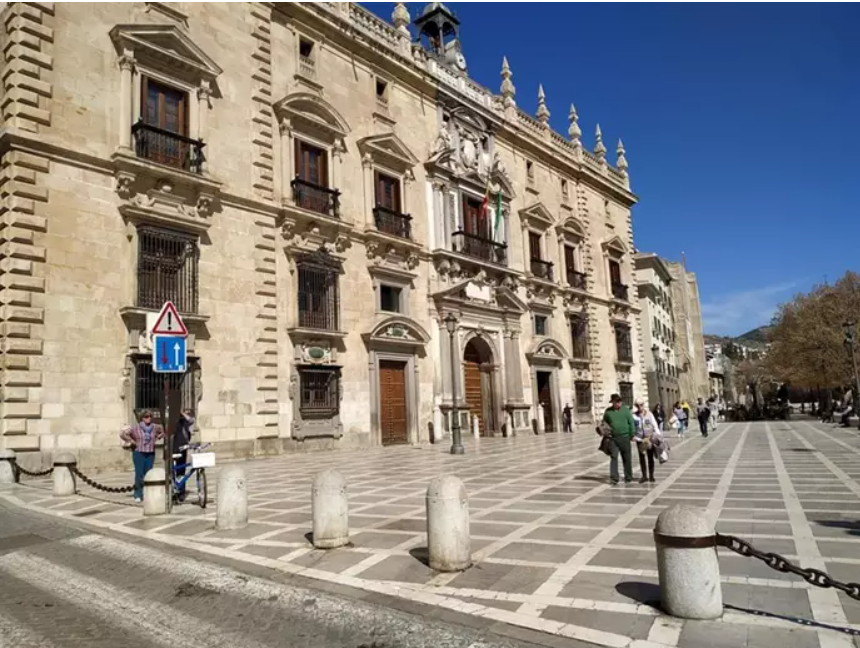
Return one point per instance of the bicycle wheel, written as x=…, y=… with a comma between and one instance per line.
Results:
x=202, y=492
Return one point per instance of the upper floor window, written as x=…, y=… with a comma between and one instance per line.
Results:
x=540, y=324
x=167, y=269
x=530, y=171
x=623, y=343
x=538, y=265
x=161, y=135
x=307, y=57
x=619, y=290
x=564, y=193
x=311, y=185
x=382, y=91
x=390, y=298
x=388, y=211
x=579, y=337
x=318, y=292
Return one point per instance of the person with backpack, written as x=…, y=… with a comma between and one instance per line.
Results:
x=703, y=414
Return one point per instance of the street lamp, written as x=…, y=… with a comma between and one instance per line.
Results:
x=850, y=328
x=456, y=440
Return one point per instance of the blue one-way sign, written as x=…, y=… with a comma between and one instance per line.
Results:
x=169, y=353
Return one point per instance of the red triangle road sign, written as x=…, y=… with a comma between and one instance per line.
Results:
x=169, y=322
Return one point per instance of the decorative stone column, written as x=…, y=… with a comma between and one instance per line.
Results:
x=337, y=151
x=126, y=67
x=203, y=94
x=525, y=245
x=367, y=172
x=562, y=267
x=440, y=217
x=286, y=159
x=513, y=375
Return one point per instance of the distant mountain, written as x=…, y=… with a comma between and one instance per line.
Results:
x=760, y=335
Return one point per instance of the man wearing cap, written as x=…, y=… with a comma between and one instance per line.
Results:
x=620, y=420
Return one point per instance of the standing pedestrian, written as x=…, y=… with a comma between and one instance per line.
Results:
x=181, y=439
x=648, y=440
x=681, y=415
x=713, y=408
x=566, y=418
x=142, y=437
x=620, y=421
x=659, y=415
x=703, y=414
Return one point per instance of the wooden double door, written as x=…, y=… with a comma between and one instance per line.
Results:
x=544, y=388
x=478, y=389
x=394, y=416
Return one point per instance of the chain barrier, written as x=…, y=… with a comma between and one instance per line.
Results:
x=97, y=486
x=38, y=473
x=775, y=561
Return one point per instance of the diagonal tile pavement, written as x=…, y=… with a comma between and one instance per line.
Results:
x=556, y=548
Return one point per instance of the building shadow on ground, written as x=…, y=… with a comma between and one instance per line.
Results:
x=791, y=619
x=850, y=527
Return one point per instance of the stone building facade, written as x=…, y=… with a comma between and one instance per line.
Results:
x=316, y=192
x=692, y=362
x=658, y=329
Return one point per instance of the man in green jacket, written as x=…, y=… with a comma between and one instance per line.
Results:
x=620, y=420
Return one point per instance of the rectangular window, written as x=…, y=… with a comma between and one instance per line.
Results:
x=311, y=164
x=579, y=337
x=387, y=192
x=583, y=397
x=306, y=48
x=530, y=170
x=570, y=259
x=614, y=273
x=318, y=296
x=475, y=221
x=166, y=269
x=625, y=390
x=564, y=188
x=540, y=324
x=149, y=387
x=319, y=392
x=534, y=246
x=382, y=91
x=623, y=343
x=389, y=298
x=164, y=107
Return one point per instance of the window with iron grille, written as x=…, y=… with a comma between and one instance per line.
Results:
x=625, y=390
x=319, y=392
x=579, y=337
x=623, y=343
x=540, y=324
x=167, y=269
x=583, y=397
x=319, y=300
x=149, y=387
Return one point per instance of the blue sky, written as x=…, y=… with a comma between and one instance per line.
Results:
x=741, y=124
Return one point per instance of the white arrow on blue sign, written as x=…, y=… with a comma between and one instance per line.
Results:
x=169, y=354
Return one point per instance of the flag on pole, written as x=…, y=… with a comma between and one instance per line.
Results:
x=498, y=224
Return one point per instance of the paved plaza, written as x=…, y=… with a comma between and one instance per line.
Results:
x=556, y=548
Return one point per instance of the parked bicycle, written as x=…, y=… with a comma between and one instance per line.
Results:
x=195, y=467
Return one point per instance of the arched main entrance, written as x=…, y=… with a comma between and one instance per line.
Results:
x=478, y=384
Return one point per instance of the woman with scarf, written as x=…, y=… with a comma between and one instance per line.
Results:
x=648, y=440
x=142, y=437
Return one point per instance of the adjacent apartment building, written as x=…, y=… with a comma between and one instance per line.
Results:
x=657, y=319
x=352, y=228
x=691, y=361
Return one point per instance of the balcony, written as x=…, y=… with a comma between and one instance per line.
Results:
x=307, y=67
x=541, y=269
x=479, y=247
x=620, y=291
x=391, y=222
x=577, y=280
x=168, y=148
x=315, y=198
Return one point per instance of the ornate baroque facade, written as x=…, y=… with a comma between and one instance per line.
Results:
x=317, y=193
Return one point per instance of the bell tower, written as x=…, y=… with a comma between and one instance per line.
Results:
x=439, y=32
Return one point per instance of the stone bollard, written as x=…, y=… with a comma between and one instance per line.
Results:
x=330, y=509
x=476, y=427
x=154, y=492
x=687, y=564
x=8, y=467
x=448, y=539
x=64, y=478
x=232, y=504
x=541, y=419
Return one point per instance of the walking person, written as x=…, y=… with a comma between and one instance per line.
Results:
x=567, y=418
x=703, y=414
x=620, y=420
x=713, y=408
x=181, y=438
x=142, y=437
x=681, y=415
x=659, y=416
x=648, y=440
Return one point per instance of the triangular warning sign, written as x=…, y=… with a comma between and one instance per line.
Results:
x=169, y=322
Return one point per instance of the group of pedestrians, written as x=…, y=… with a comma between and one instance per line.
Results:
x=620, y=428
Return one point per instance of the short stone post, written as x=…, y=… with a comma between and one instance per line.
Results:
x=64, y=478
x=448, y=539
x=476, y=426
x=232, y=504
x=541, y=419
x=330, y=510
x=687, y=564
x=154, y=492
x=8, y=467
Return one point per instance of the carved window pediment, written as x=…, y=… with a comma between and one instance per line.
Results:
x=615, y=245
x=389, y=148
x=310, y=110
x=572, y=228
x=547, y=350
x=397, y=329
x=537, y=216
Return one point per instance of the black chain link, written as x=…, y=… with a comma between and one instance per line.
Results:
x=101, y=487
x=775, y=561
x=38, y=473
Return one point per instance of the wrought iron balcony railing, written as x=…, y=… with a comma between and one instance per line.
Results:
x=313, y=197
x=620, y=291
x=541, y=269
x=577, y=280
x=392, y=222
x=165, y=147
x=479, y=247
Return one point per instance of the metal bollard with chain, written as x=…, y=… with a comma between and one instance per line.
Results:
x=101, y=487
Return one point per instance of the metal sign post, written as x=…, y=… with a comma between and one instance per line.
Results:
x=169, y=356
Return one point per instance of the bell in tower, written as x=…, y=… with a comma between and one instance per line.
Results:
x=439, y=32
